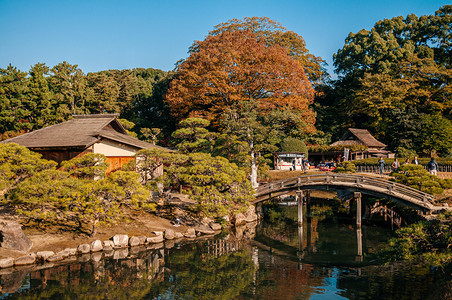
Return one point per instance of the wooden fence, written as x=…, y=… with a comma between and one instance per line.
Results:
x=388, y=169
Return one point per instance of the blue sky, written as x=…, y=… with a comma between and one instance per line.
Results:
x=110, y=34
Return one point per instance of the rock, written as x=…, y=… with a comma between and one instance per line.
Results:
x=55, y=258
x=96, y=246
x=24, y=260
x=43, y=255
x=169, y=234
x=108, y=245
x=215, y=226
x=204, y=229
x=64, y=253
x=158, y=233
x=6, y=262
x=134, y=241
x=155, y=239
x=239, y=219
x=142, y=239
x=226, y=218
x=250, y=214
x=179, y=235
x=71, y=251
x=121, y=240
x=12, y=237
x=83, y=248
x=191, y=233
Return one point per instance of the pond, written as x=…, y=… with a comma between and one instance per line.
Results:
x=327, y=258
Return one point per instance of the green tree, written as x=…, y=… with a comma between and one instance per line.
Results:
x=417, y=177
x=68, y=83
x=150, y=134
x=244, y=122
x=88, y=166
x=294, y=145
x=435, y=134
x=18, y=163
x=218, y=186
x=46, y=197
x=149, y=163
x=194, y=136
x=14, y=109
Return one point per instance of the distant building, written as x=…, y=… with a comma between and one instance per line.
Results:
x=353, y=137
x=101, y=133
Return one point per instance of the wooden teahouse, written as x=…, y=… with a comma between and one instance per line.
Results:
x=351, y=137
x=101, y=133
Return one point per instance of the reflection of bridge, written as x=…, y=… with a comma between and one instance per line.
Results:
x=377, y=187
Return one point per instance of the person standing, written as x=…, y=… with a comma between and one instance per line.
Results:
x=433, y=167
x=381, y=164
x=294, y=163
x=395, y=165
x=415, y=160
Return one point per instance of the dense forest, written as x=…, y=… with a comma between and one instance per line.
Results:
x=256, y=84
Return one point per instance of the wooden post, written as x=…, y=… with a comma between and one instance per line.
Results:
x=357, y=196
x=308, y=203
x=300, y=199
x=359, y=238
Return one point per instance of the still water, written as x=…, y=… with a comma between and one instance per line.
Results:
x=327, y=258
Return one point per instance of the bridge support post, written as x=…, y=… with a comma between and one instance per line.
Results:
x=357, y=196
x=308, y=204
x=300, y=196
x=359, y=237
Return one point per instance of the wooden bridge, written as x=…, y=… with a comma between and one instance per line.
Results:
x=376, y=187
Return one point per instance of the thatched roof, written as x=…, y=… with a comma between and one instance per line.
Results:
x=355, y=136
x=80, y=132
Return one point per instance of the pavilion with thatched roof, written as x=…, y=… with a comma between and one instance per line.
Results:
x=354, y=137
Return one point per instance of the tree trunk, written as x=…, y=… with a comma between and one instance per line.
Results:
x=93, y=232
x=253, y=175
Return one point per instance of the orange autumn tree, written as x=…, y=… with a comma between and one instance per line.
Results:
x=274, y=33
x=230, y=69
x=238, y=66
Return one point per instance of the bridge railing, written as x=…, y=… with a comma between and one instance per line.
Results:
x=382, y=185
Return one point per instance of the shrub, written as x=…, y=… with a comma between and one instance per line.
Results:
x=346, y=167
x=294, y=145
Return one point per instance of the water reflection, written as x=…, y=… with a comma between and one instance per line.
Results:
x=325, y=258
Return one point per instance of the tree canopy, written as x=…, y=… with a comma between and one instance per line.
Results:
x=237, y=66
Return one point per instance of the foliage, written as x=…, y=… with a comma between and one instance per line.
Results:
x=87, y=166
x=219, y=187
x=392, y=78
x=345, y=167
x=46, y=96
x=194, y=136
x=233, y=67
x=294, y=145
x=148, y=163
x=417, y=177
x=273, y=33
x=243, y=123
x=69, y=196
x=17, y=163
x=46, y=197
x=430, y=240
